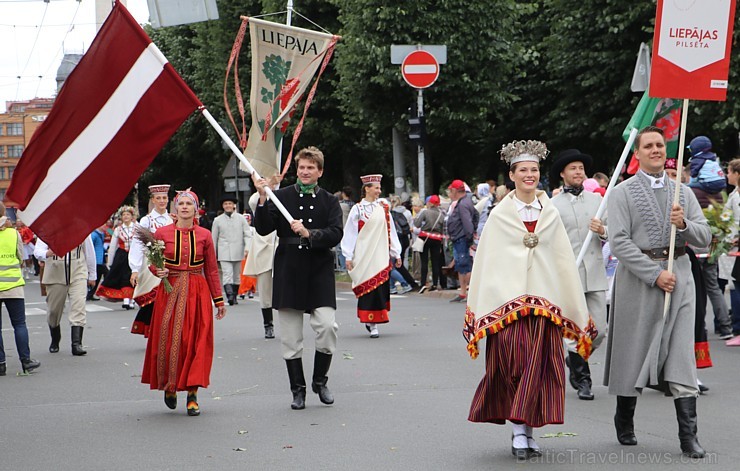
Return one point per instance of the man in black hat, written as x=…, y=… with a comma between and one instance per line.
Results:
x=578, y=212
x=230, y=238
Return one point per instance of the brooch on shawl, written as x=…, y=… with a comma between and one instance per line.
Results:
x=531, y=240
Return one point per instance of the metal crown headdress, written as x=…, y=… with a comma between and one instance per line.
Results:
x=524, y=151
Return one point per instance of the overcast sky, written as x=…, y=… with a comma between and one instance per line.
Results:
x=34, y=36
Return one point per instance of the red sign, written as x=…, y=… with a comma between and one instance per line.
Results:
x=691, y=49
x=420, y=69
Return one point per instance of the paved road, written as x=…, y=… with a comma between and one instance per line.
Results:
x=401, y=404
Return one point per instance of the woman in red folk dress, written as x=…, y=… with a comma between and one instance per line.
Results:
x=179, y=351
x=524, y=310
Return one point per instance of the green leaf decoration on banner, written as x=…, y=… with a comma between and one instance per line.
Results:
x=266, y=95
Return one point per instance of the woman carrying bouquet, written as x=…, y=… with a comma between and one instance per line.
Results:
x=179, y=351
x=117, y=283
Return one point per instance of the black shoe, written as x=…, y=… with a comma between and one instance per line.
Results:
x=29, y=365
x=170, y=399
x=297, y=383
x=235, y=293
x=520, y=453
x=623, y=420
x=193, y=407
x=458, y=299
x=702, y=388
x=321, y=364
x=56, y=337
x=229, y=294
x=77, y=349
x=267, y=322
x=686, y=416
x=269, y=332
x=3, y=369
x=580, y=376
x=92, y=298
x=432, y=288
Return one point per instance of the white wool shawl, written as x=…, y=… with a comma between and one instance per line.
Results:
x=371, y=259
x=510, y=280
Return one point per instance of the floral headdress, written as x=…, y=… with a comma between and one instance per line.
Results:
x=524, y=151
x=127, y=209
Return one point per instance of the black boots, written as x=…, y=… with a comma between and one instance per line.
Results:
x=229, y=292
x=321, y=364
x=235, y=295
x=623, y=420
x=267, y=321
x=297, y=383
x=686, y=415
x=3, y=368
x=29, y=365
x=56, y=337
x=77, y=341
x=580, y=374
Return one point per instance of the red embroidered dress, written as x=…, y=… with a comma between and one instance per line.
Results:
x=117, y=283
x=179, y=351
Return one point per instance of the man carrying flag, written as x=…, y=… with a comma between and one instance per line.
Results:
x=645, y=348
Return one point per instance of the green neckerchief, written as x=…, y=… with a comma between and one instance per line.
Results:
x=306, y=189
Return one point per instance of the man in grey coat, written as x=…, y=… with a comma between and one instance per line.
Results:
x=577, y=210
x=230, y=238
x=646, y=348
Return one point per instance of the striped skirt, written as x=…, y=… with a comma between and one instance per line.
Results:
x=525, y=375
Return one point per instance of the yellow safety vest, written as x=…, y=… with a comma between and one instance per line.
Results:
x=10, y=267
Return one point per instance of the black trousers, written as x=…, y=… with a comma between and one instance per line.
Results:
x=433, y=249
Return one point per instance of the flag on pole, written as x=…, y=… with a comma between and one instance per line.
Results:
x=116, y=110
x=284, y=61
x=664, y=113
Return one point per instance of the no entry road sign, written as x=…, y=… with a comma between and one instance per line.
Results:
x=420, y=69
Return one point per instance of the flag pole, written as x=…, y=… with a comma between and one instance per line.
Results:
x=676, y=196
x=225, y=137
x=612, y=182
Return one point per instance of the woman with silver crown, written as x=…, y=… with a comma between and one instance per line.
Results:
x=524, y=311
x=368, y=244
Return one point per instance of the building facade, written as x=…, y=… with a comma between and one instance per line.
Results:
x=17, y=125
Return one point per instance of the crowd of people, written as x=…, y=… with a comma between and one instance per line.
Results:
x=542, y=314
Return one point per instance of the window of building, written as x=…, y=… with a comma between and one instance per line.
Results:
x=2, y=128
x=15, y=151
x=2, y=152
x=15, y=129
x=2, y=173
x=10, y=172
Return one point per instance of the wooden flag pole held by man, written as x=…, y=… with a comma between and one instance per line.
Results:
x=676, y=195
x=612, y=182
x=225, y=137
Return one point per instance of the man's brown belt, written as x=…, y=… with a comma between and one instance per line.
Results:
x=661, y=253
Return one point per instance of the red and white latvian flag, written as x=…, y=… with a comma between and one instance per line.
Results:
x=116, y=110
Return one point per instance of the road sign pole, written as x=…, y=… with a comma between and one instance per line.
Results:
x=420, y=148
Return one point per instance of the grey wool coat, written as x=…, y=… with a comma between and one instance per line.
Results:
x=576, y=213
x=643, y=348
x=231, y=234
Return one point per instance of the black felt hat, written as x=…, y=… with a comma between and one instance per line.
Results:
x=566, y=157
x=229, y=197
